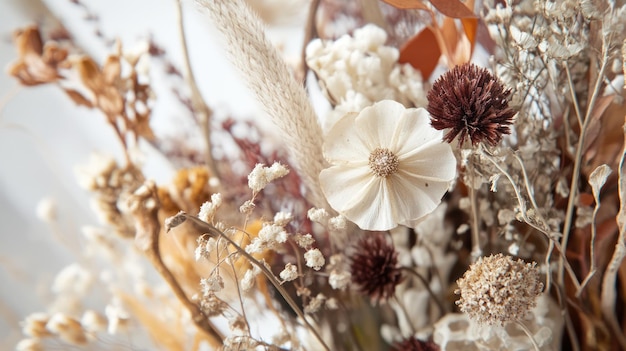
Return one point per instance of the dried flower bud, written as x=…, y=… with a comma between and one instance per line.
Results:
x=69, y=329
x=208, y=209
x=374, y=267
x=35, y=325
x=314, y=259
x=304, y=240
x=498, y=289
x=315, y=304
x=318, y=215
x=93, y=321
x=471, y=103
x=282, y=218
x=261, y=175
x=289, y=273
x=339, y=280
x=29, y=345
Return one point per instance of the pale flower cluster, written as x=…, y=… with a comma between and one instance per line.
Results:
x=262, y=175
x=357, y=71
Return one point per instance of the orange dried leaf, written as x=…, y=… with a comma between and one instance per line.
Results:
x=470, y=26
x=422, y=52
x=451, y=35
x=89, y=73
x=407, y=4
x=78, y=98
x=453, y=8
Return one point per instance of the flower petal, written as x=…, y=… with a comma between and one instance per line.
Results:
x=344, y=145
x=359, y=195
x=433, y=162
x=380, y=124
x=418, y=131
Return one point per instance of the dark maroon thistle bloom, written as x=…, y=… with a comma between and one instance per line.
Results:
x=414, y=344
x=470, y=103
x=374, y=267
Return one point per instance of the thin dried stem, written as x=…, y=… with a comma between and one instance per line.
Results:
x=573, y=193
x=528, y=333
x=144, y=207
x=570, y=84
x=207, y=228
x=477, y=250
x=199, y=106
x=310, y=33
x=440, y=305
x=527, y=220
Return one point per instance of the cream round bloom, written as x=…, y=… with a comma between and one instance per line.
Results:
x=388, y=166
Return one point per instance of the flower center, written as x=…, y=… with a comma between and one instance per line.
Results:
x=383, y=162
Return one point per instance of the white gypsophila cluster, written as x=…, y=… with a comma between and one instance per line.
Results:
x=289, y=273
x=212, y=284
x=73, y=279
x=208, y=209
x=247, y=282
x=339, y=280
x=357, y=71
x=269, y=238
x=304, y=240
x=262, y=175
x=318, y=215
x=315, y=304
x=314, y=259
x=282, y=218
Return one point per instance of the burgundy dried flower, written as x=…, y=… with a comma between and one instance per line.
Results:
x=414, y=344
x=471, y=103
x=374, y=267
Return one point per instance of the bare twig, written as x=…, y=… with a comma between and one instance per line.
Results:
x=145, y=207
x=199, y=106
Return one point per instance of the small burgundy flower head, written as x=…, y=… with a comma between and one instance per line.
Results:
x=414, y=344
x=374, y=267
x=471, y=103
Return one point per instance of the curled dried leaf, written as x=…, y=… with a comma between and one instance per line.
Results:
x=453, y=8
x=422, y=52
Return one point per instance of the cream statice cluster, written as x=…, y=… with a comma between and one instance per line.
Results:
x=388, y=166
x=357, y=71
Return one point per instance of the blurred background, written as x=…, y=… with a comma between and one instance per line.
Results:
x=44, y=136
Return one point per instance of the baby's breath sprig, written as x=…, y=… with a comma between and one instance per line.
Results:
x=203, y=227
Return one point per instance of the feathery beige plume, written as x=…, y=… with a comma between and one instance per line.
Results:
x=281, y=96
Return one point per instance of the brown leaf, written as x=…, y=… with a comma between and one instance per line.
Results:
x=407, y=4
x=422, y=52
x=470, y=26
x=78, y=98
x=453, y=8
x=28, y=41
x=451, y=35
x=89, y=73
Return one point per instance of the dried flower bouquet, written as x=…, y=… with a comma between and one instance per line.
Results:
x=465, y=190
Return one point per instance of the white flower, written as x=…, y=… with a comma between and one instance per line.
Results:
x=388, y=166
x=314, y=259
x=289, y=273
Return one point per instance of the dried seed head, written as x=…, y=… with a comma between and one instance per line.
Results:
x=383, y=162
x=498, y=289
x=471, y=103
x=374, y=267
x=415, y=344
